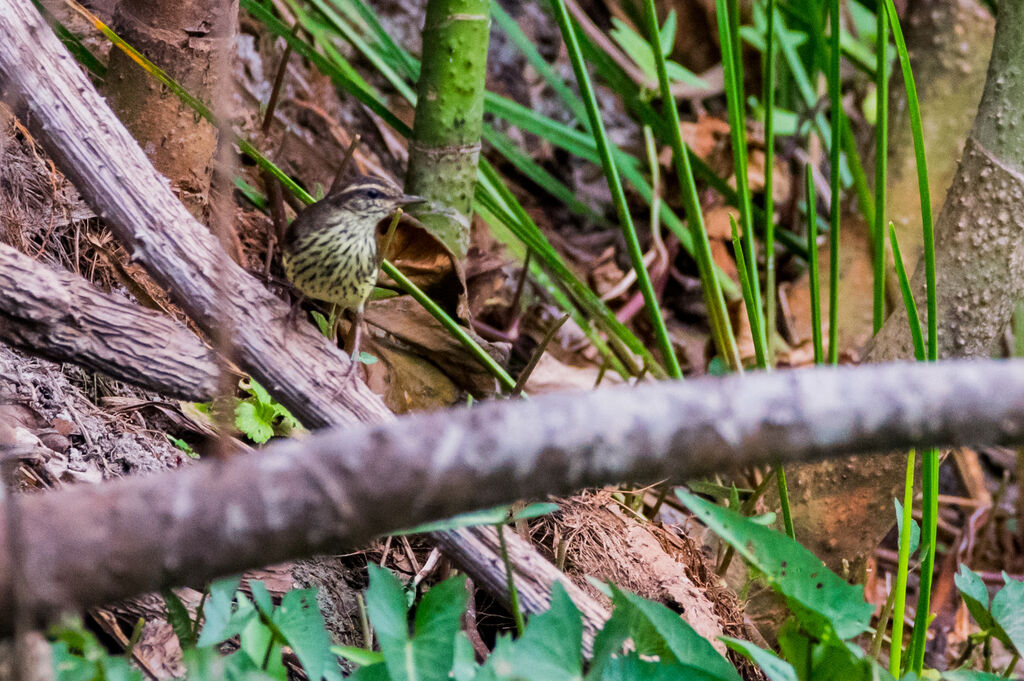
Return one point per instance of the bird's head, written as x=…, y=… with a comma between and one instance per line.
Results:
x=373, y=198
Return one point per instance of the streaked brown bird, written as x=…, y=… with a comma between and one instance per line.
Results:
x=329, y=250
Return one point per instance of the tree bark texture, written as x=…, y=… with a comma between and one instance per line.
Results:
x=74, y=124
x=188, y=39
x=337, y=489
x=950, y=43
x=305, y=372
x=64, y=318
x=843, y=508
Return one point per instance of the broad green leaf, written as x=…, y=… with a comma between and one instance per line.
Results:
x=1008, y=612
x=375, y=672
x=249, y=420
x=632, y=668
x=209, y=663
x=386, y=607
x=657, y=631
x=464, y=666
x=915, y=529
x=774, y=667
x=490, y=516
x=816, y=594
x=256, y=390
x=551, y=648
x=301, y=623
x=220, y=620
x=970, y=675
x=261, y=646
x=975, y=594
x=261, y=597
x=428, y=655
x=359, y=656
x=178, y=618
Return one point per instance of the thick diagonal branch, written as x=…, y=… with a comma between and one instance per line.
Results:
x=76, y=127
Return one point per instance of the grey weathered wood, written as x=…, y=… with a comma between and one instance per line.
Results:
x=47, y=89
x=338, y=488
x=43, y=84
x=64, y=318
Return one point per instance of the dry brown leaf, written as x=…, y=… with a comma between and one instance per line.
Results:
x=428, y=263
x=705, y=135
x=855, y=293
x=716, y=221
x=411, y=327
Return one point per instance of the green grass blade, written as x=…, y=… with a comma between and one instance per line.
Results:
x=356, y=40
x=452, y=326
x=530, y=234
x=916, y=335
x=836, y=111
x=768, y=97
x=741, y=270
x=615, y=185
x=529, y=50
x=881, y=158
x=367, y=98
x=717, y=312
x=728, y=34
x=542, y=178
x=930, y=466
x=902, y=570
x=927, y=225
x=812, y=260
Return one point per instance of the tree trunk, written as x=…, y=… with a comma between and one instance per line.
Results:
x=189, y=39
x=843, y=508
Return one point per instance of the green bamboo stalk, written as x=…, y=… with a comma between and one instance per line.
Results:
x=615, y=186
x=445, y=143
x=718, y=314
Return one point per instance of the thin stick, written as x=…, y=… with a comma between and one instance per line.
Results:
x=535, y=358
x=275, y=92
x=336, y=185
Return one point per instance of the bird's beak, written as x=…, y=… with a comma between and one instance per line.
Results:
x=410, y=200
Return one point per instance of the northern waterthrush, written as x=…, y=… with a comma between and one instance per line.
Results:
x=329, y=250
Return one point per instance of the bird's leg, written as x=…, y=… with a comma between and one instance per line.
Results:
x=353, y=341
x=293, y=312
x=355, y=336
x=336, y=314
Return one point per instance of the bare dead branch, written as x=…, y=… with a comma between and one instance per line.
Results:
x=64, y=318
x=73, y=123
x=339, y=488
x=76, y=127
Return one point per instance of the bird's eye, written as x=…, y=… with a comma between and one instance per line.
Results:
x=374, y=194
